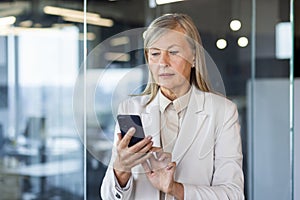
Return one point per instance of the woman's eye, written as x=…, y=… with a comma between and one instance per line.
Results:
x=173, y=52
x=154, y=53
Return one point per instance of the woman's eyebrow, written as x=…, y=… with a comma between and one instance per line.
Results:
x=153, y=48
x=174, y=45
x=169, y=47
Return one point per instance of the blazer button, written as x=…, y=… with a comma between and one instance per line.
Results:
x=118, y=195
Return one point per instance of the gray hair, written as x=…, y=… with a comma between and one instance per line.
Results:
x=167, y=22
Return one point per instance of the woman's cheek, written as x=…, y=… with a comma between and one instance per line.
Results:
x=154, y=72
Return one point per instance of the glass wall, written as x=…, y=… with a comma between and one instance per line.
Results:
x=62, y=80
x=269, y=103
x=41, y=153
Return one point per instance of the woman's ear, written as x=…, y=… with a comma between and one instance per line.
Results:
x=194, y=62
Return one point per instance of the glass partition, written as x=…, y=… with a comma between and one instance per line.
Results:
x=123, y=41
x=270, y=103
x=255, y=66
x=41, y=154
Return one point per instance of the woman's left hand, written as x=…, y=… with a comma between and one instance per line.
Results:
x=160, y=171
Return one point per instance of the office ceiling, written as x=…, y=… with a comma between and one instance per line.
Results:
x=209, y=15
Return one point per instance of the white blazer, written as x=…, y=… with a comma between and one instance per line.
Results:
x=208, y=151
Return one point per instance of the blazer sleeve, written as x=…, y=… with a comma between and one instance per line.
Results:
x=110, y=188
x=228, y=179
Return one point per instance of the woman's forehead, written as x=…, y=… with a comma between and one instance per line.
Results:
x=170, y=38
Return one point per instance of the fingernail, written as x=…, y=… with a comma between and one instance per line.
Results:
x=169, y=167
x=131, y=129
x=149, y=137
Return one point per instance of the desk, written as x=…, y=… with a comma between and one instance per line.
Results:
x=22, y=153
x=44, y=170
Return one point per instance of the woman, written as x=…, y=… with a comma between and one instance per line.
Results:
x=200, y=154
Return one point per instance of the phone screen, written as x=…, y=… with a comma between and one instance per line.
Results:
x=128, y=121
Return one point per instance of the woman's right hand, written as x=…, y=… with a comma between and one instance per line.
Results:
x=128, y=157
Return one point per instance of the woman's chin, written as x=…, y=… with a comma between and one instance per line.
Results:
x=165, y=86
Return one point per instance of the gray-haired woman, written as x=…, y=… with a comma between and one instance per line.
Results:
x=194, y=132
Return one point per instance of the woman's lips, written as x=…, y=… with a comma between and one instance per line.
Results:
x=166, y=75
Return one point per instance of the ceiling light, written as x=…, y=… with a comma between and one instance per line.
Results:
x=119, y=41
x=38, y=25
x=235, y=25
x=26, y=23
x=114, y=56
x=243, y=41
x=11, y=11
x=51, y=10
x=89, y=36
x=78, y=16
x=160, y=2
x=96, y=21
x=6, y=21
x=221, y=43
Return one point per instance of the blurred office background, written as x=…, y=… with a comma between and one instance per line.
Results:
x=52, y=146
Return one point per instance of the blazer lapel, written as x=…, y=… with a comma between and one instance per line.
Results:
x=151, y=121
x=193, y=120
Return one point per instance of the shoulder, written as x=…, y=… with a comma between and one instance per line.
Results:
x=215, y=103
x=219, y=100
x=140, y=100
x=220, y=109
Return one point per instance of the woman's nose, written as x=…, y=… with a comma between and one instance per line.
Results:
x=164, y=59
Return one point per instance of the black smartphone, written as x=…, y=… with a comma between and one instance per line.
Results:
x=128, y=121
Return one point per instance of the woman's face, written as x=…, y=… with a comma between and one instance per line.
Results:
x=170, y=60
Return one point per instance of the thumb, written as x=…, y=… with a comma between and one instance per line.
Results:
x=171, y=166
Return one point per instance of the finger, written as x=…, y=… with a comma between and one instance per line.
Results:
x=156, y=149
x=129, y=159
x=141, y=144
x=127, y=137
x=146, y=148
x=119, y=135
x=136, y=155
x=132, y=154
x=141, y=159
x=155, y=164
x=146, y=167
x=152, y=158
x=170, y=166
x=159, y=154
x=165, y=157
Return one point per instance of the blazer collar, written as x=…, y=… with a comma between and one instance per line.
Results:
x=193, y=120
x=151, y=121
x=196, y=98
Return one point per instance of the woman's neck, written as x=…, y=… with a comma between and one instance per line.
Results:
x=172, y=94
